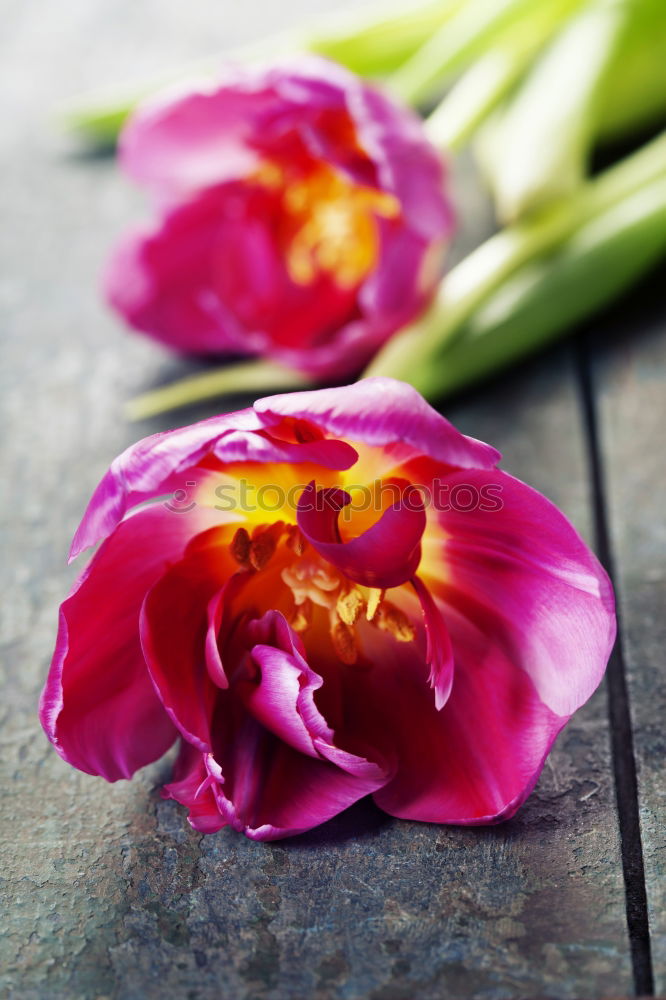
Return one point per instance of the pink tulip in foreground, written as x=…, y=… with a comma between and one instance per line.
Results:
x=302, y=216
x=343, y=596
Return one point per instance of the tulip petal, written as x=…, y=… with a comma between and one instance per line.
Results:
x=407, y=164
x=389, y=292
x=191, y=786
x=186, y=140
x=386, y=555
x=530, y=614
x=207, y=276
x=268, y=789
x=159, y=280
x=174, y=626
x=163, y=463
x=283, y=697
x=264, y=788
x=516, y=567
x=476, y=760
x=215, y=613
x=439, y=652
x=99, y=707
x=189, y=139
x=382, y=411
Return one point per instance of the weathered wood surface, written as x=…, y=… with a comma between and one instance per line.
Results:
x=629, y=377
x=109, y=893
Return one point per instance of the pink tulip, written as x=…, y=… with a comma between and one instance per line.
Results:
x=343, y=596
x=302, y=216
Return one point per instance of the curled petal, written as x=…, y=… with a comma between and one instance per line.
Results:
x=385, y=555
x=191, y=786
x=273, y=766
x=162, y=463
x=382, y=411
x=283, y=697
x=439, y=652
x=269, y=790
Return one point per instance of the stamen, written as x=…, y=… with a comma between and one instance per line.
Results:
x=344, y=642
x=240, y=547
x=394, y=621
x=295, y=540
x=350, y=606
x=375, y=598
x=262, y=548
x=308, y=580
x=322, y=579
x=301, y=618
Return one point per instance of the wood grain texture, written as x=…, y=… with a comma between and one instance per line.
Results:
x=109, y=893
x=629, y=377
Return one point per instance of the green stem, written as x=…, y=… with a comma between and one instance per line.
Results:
x=472, y=281
x=250, y=377
x=538, y=151
x=490, y=78
x=377, y=39
x=634, y=95
x=544, y=300
x=461, y=39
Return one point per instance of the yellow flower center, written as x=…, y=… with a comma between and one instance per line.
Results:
x=312, y=584
x=331, y=223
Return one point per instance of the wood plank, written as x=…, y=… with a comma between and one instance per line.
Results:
x=630, y=380
x=112, y=894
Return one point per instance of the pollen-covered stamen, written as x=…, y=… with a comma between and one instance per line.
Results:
x=343, y=638
x=262, y=548
x=316, y=584
x=375, y=598
x=350, y=606
x=295, y=540
x=256, y=551
x=382, y=614
x=301, y=618
x=391, y=619
x=240, y=547
x=311, y=580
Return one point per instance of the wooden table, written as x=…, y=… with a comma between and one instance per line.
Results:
x=110, y=894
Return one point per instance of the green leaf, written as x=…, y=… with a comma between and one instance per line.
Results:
x=469, y=285
x=545, y=300
x=538, y=150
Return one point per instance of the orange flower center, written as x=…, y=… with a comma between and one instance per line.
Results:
x=314, y=594
x=331, y=223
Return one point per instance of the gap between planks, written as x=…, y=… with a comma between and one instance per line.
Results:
x=619, y=712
